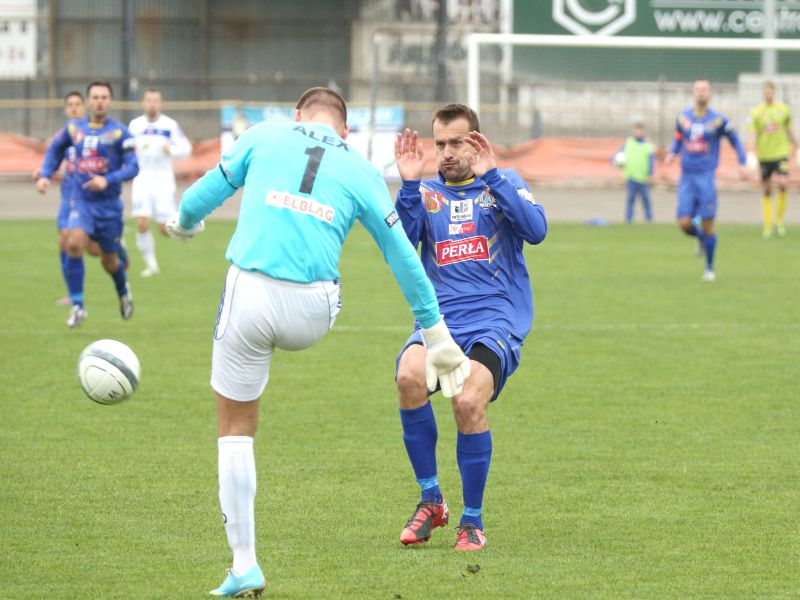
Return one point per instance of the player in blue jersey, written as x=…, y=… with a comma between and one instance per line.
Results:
x=471, y=221
x=304, y=188
x=105, y=157
x=698, y=132
x=74, y=108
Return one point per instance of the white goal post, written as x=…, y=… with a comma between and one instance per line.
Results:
x=476, y=40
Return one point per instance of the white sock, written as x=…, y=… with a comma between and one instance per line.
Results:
x=237, y=494
x=147, y=246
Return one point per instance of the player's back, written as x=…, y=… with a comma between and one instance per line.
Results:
x=304, y=187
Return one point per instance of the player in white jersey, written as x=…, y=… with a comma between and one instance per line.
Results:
x=159, y=140
x=304, y=188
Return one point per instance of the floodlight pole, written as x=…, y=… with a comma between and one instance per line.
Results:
x=377, y=38
x=769, y=59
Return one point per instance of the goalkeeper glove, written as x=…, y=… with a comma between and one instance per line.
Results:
x=176, y=232
x=752, y=162
x=445, y=362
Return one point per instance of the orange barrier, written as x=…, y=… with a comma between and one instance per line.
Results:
x=545, y=162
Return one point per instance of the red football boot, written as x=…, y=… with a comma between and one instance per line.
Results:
x=426, y=517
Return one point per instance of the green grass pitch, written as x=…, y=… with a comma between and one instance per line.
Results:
x=647, y=447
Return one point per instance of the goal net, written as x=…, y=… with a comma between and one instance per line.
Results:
x=595, y=85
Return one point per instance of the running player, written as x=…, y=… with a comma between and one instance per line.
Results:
x=74, y=108
x=159, y=140
x=472, y=221
x=304, y=187
x=771, y=133
x=698, y=131
x=105, y=158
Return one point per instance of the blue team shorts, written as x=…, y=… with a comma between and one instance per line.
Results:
x=103, y=221
x=504, y=345
x=63, y=214
x=697, y=195
x=63, y=208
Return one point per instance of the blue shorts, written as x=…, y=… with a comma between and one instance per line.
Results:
x=506, y=346
x=63, y=214
x=63, y=208
x=103, y=221
x=697, y=194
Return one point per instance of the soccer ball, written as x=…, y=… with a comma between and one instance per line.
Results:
x=619, y=159
x=108, y=371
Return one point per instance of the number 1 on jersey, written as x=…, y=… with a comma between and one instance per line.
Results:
x=310, y=174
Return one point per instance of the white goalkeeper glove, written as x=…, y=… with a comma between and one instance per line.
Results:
x=176, y=232
x=445, y=362
x=752, y=162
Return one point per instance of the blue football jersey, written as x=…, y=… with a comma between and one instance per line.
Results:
x=472, y=235
x=105, y=149
x=698, y=138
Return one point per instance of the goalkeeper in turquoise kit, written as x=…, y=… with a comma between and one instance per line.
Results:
x=472, y=222
x=304, y=188
x=637, y=159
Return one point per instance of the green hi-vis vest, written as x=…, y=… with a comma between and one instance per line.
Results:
x=637, y=159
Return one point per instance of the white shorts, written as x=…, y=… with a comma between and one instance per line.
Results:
x=258, y=314
x=153, y=199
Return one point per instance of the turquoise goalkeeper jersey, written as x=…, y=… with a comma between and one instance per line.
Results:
x=304, y=188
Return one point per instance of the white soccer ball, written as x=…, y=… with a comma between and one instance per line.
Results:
x=108, y=371
x=619, y=159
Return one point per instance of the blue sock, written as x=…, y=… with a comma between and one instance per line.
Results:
x=120, y=281
x=697, y=228
x=710, y=244
x=474, y=453
x=419, y=436
x=63, y=256
x=123, y=256
x=74, y=272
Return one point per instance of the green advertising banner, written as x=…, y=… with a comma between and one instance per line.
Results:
x=658, y=18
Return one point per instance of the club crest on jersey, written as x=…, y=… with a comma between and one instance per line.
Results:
x=455, y=251
x=108, y=137
x=485, y=199
x=90, y=142
x=458, y=228
x=433, y=201
x=461, y=210
x=299, y=204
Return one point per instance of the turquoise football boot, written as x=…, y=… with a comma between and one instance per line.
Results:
x=249, y=585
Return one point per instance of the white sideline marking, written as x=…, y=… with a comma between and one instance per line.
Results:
x=408, y=328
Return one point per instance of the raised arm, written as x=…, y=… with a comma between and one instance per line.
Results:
x=527, y=218
x=410, y=163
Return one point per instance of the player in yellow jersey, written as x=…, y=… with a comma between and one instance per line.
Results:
x=771, y=135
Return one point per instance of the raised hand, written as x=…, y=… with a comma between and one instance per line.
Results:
x=484, y=159
x=409, y=156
